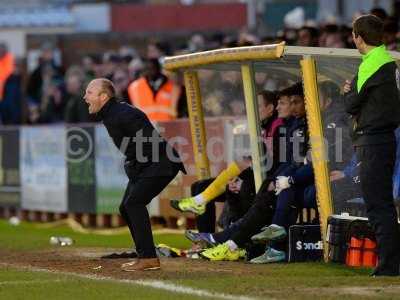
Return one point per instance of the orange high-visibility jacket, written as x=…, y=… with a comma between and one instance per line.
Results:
x=158, y=107
x=6, y=69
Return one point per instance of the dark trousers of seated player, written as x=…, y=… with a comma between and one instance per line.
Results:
x=226, y=234
x=236, y=204
x=262, y=213
x=376, y=171
x=288, y=205
x=294, y=197
x=259, y=215
x=139, y=192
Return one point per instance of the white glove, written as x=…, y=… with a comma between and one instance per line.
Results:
x=282, y=183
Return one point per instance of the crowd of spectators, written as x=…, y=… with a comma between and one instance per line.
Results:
x=52, y=93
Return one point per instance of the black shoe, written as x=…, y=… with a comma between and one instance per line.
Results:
x=132, y=254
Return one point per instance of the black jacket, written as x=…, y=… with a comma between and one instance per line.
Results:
x=297, y=146
x=376, y=109
x=130, y=130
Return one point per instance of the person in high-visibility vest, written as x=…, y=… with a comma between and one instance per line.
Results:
x=155, y=94
x=6, y=66
x=372, y=100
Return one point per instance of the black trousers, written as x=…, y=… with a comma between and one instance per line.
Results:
x=376, y=171
x=139, y=192
x=259, y=214
x=206, y=222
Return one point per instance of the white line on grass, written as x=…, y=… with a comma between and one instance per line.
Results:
x=188, y=290
x=156, y=284
x=24, y=282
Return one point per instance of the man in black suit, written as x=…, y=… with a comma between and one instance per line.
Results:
x=151, y=163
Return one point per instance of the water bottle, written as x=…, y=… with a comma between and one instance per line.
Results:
x=60, y=240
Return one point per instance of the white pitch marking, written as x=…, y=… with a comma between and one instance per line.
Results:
x=23, y=282
x=156, y=284
x=188, y=290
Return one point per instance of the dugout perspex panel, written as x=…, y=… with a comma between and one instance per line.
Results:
x=343, y=167
x=321, y=69
x=222, y=94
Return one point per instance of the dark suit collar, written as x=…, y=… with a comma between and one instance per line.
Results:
x=105, y=110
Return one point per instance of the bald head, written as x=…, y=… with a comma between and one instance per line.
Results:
x=98, y=92
x=106, y=86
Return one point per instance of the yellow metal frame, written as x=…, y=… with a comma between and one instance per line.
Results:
x=245, y=57
x=197, y=127
x=224, y=55
x=196, y=115
x=319, y=161
x=253, y=119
